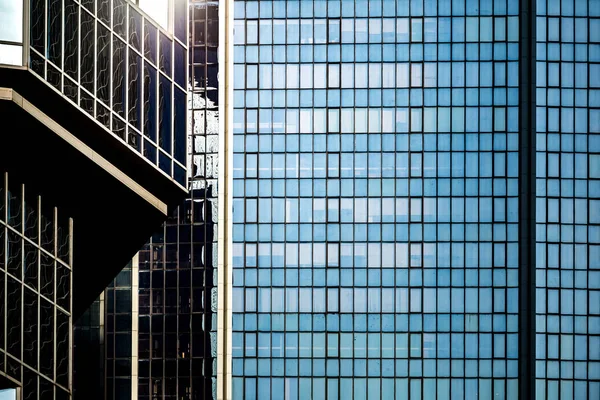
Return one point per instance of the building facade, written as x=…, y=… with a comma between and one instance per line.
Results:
x=94, y=118
x=567, y=235
x=35, y=293
x=154, y=329
x=406, y=207
x=389, y=158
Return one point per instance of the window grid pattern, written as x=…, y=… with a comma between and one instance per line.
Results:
x=177, y=288
x=568, y=200
x=35, y=293
x=178, y=267
x=375, y=215
x=118, y=340
x=88, y=353
x=119, y=67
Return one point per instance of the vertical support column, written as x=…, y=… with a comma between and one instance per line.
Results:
x=225, y=184
x=527, y=183
x=135, y=262
x=54, y=286
x=26, y=25
x=71, y=322
x=101, y=336
x=4, y=298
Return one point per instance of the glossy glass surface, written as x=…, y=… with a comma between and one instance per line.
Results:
x=89, y=353
x=157, y=9
x=375, y=210
x=568, y=200
x=178, y=266
x=8, y=394
x=11, y=20
x=94, y=54
x=177, y=285
x=35, y=293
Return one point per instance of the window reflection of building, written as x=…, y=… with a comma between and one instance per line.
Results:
x=176, y=296
x=370, y=230
x=35, y=291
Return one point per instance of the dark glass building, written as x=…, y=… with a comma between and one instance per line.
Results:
x=35, y=293
x=94, y=118
x=153, y=332
x=407, y=206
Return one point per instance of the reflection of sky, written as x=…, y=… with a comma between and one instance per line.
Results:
x=157, y=9
x=11, y=21
x=8, y=394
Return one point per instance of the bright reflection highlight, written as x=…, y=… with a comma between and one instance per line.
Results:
x=158, y=10
x=11, y=20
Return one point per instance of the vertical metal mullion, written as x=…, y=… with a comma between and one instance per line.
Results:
x=224, y=228
x=134, y=326
x=142, y=77
x=71, y=338
x=95, y=38
x=128, y=50
x=409, y=211
x=39, y=297
x=157, y=133
x=110, y=68
x=493, y=61
x=21, y=284
x=53, y=299
x=78, y=44
x=171, y=76
x=102, y=336
x=62, y=44
x=163, y=312
x=527, y=207
x=45, y=55
x=395, y=179
x=26, y=32
x=5, y=239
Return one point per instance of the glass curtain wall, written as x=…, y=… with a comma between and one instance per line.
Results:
x=121, y=68
x=177, y=287
x=35, y=293
x=119, y=336
x=375, y=219
x=568, y=200
x=177, y=278
x=89, y=381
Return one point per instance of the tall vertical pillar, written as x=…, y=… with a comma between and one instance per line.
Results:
x=527, y=147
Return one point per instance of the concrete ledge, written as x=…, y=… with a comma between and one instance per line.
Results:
x=10, y=95
x=90, y=132
x=113, y=213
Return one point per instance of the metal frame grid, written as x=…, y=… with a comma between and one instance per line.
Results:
x=176, y=291
x=177, y=279
x=35, y=293
x=120, y=67
x=375, y=201
x=567, y=121
x=119, y=336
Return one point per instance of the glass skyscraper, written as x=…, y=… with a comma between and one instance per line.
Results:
x=388, y=199
x=413, y=199
x=92, y=151
x=567, y=191
x=152, y=334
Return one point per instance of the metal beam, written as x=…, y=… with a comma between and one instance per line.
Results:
x=527, y=175
x=8, y=94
